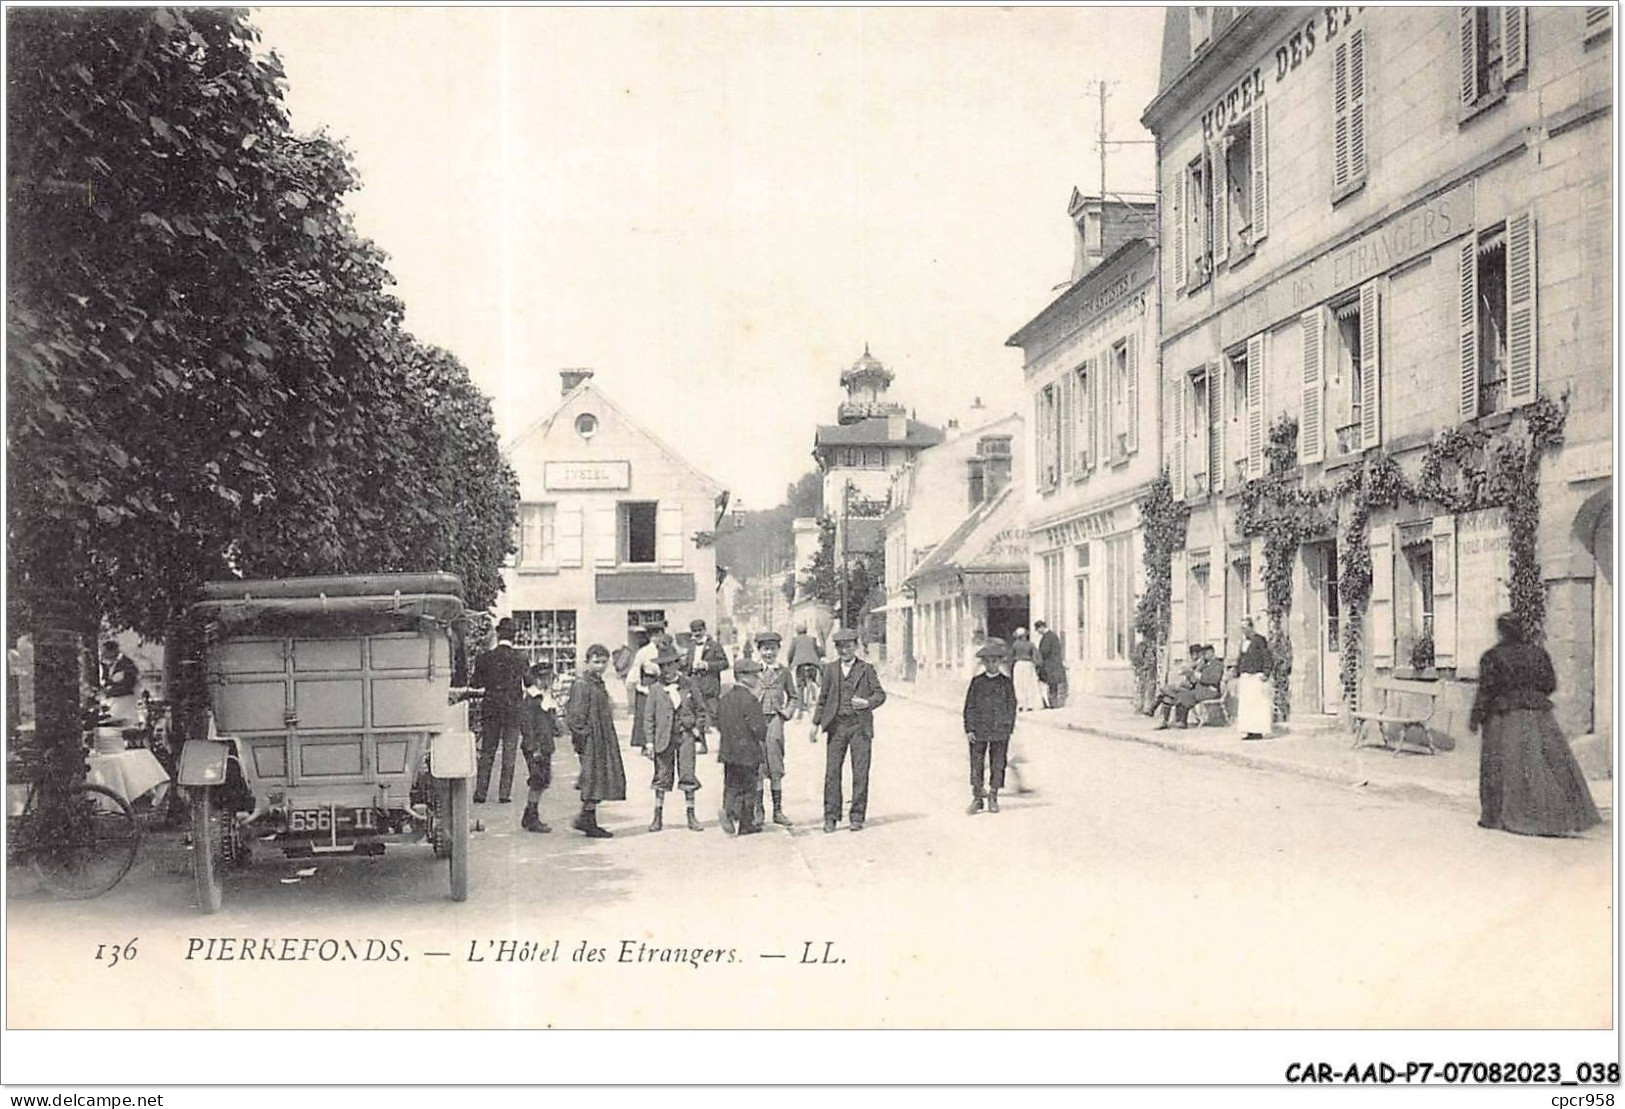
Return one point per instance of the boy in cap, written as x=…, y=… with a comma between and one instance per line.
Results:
x=990, y=718
x=538, y=724
x=641, y=675
x=705, y=663
x=673, y=716
x=849, y=692
x=501, y=673
x=741, y=747
x=774, y=690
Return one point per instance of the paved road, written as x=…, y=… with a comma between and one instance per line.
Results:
x=1135, y=888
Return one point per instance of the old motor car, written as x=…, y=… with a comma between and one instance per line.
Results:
x=332, y=723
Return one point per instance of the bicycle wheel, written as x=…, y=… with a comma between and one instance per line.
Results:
x=87, y=842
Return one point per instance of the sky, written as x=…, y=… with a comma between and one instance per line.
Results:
x=716, y=209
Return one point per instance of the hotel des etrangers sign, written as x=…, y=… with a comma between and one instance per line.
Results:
x=573, y=476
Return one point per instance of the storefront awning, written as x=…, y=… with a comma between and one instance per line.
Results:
x=896, y=604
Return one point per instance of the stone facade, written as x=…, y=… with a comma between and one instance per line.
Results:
x=1413, y=233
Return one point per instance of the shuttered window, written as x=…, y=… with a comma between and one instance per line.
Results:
x=1598, y=21
x=1255, y=406
x=1348, y=114
x=1220, y=400
x=1493, y=49
x=1174, y=434
x=1131, y=398
x=1311, y=422
x=1370, y=365
x=1498, y=340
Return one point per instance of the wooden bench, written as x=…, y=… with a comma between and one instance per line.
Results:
x=1212, y=710
x=1395, y=702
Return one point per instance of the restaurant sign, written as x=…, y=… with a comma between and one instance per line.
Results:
x=587, y=475
x=996, y=583
x=1416, y=231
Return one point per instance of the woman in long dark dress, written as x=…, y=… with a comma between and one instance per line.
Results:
x=1528, y=780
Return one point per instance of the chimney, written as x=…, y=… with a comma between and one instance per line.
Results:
x=571, y=378
x=896, y=427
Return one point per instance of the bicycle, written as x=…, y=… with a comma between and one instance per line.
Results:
x=81, y=840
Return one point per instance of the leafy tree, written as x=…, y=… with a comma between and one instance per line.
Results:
x=863, y=576
x=207, y=372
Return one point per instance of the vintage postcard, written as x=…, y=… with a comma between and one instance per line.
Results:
x=865, y=518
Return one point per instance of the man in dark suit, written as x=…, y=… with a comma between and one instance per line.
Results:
x=706, y=661
x=1051, y=664
x=501, y=673
x=848, y=694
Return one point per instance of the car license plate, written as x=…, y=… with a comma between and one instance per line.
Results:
x=326, y=820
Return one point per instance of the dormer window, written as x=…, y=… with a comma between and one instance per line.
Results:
x=1201, y=29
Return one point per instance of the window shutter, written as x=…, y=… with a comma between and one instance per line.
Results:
x=1038, y=440
x=1261, y=172
x=1178, y=583
x=1063, y=425
x=1311, y=427
x=570, y=529
x=1370, y=366
x=1255, y=406
x=1205, y=210
x=1103, y=407
x=1356, y=48
x=1444, y=591
x=1174, y=437
x=1221, y=208
x=1521, y=326
x=1340, y=116
x=605, y=545
x=1514, y=42
x=671, y=533
x=1131, y=403
x=1179, y=228
x=1598, y=21
x=1219, y=400
x=1380, y=605
x=1467, y=344
x=1467, y=36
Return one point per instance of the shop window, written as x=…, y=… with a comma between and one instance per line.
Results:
x=534, y=537
x=547, y=635
x=642, y=617
x=638, y=532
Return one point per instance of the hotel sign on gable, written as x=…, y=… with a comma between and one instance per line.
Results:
x=1416, y=231
x=587, y=475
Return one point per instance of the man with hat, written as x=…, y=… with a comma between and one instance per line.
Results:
x=774, y=690
x=990, y=718
x=673, y=716
x=849, y=692
x=705, y=663
x=501, y=673
x=742, y=749
x=641, y=675
x=804, y=660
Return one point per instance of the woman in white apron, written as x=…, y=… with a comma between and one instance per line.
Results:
x=1024, y=672
x=1255, y=708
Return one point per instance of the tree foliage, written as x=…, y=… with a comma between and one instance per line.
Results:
x=208, y=374
x=863, y=575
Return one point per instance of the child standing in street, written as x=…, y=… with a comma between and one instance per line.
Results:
x=538, y=725
x=990, y=718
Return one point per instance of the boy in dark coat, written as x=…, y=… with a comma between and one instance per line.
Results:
x=538, y=724
x=990, y=717
x=590, y=719
x=742, y=747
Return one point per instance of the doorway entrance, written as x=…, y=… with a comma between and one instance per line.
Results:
x=1325, y=628
x=1004, y=615
x=1602, y=626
